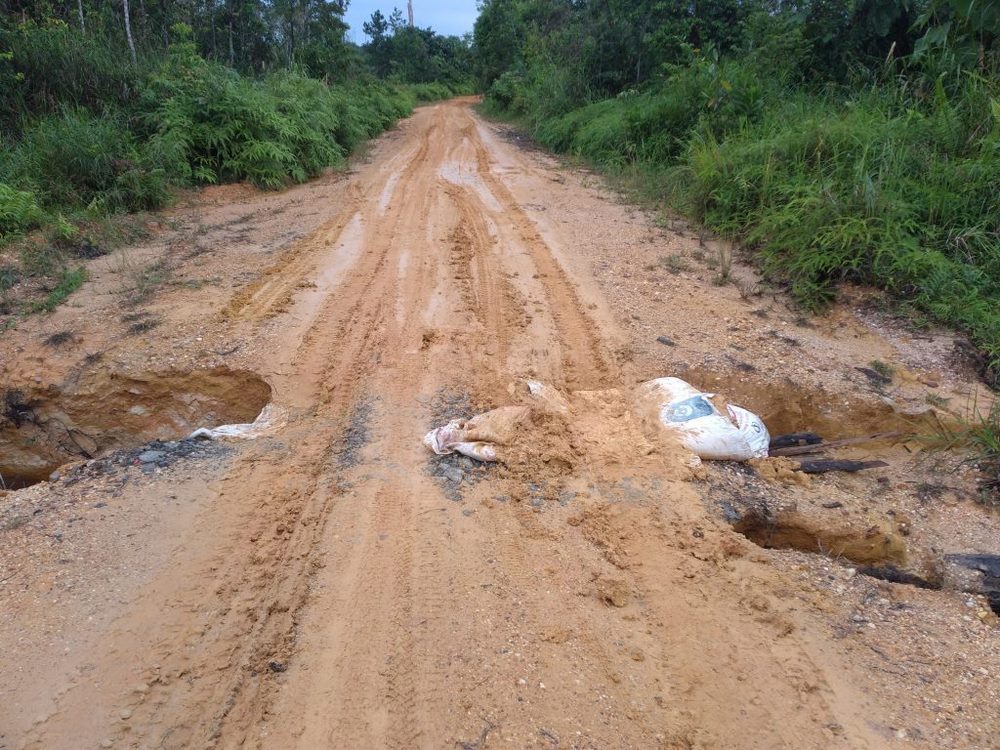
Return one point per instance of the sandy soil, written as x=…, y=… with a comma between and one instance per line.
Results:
x=333, y=584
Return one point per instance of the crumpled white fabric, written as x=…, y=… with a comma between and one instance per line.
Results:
x=266, y=421
x=479, y=437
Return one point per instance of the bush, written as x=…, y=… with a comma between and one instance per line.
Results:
x=506, y=94
x=18, y=211
x=78, y=161
x=430, y=92
x=652, y=125
x=209, y=124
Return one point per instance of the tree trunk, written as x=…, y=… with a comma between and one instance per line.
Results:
x=164, y=24
x=211, y=16
x=232, y=55
x=291, y=32
x=79, y=9
x=128, y=31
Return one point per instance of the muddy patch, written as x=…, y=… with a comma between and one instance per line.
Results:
x=357, y=434
x=45, y=426
x=453, y=472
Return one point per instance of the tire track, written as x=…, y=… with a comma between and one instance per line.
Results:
x=335, y=599
x=486, y=292
x=587, y=363
x=272, y=293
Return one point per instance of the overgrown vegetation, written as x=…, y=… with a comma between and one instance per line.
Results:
x=836, y=139
x=984, y=435
x=977, y=431
x=105, y=109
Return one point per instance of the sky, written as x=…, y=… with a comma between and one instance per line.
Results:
x=444, y=16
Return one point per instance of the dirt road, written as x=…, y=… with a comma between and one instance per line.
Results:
x=334, y=585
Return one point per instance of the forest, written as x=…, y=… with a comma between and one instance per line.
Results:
x=835, y=140
x=108, y=106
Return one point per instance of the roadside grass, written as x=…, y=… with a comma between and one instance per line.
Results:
x=34, y=265
x=976, y=431
x=884, y=369
x=68, y=281
x=889, y=184
x=983, y=435
x=140, y=282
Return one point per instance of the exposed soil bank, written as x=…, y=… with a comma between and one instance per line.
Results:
x=44, y=426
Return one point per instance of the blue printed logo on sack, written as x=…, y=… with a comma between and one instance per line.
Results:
x=688, y=409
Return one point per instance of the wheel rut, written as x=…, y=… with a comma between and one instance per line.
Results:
x=333, y=595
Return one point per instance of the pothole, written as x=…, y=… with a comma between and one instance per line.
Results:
x=869, y=545
x=788, y=408
x=877, y=550
x=768, y=515
x=44, y=427
x=794, y=516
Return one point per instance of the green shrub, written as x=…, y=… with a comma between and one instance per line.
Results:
x=18, y=211
x=209, y=124
x=80, y=161
x=430, y=92
x=507, y=94
x=212, y=125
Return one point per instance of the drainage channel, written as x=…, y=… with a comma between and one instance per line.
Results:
x=773, y=517
x=44, y=427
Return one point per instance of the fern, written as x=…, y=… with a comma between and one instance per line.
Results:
x=18, y=211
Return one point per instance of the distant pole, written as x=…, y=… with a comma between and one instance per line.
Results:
x=409, y=8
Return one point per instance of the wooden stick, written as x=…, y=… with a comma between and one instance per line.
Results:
x=803, y=449
x=823, y=466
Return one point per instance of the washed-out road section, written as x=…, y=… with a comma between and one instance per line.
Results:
x=329, y=585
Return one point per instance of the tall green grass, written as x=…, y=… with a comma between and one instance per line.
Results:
x=51, y=67
x=895, y=193
x=891, y=183
x=76, y=160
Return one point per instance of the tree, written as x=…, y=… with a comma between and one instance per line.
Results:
x=396, y=21
x=376, y=27
x=128, y=31
x=377, y=49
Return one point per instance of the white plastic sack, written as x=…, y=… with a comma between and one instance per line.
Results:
x=264, y=422
x=686, y=411
x=480, y=436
